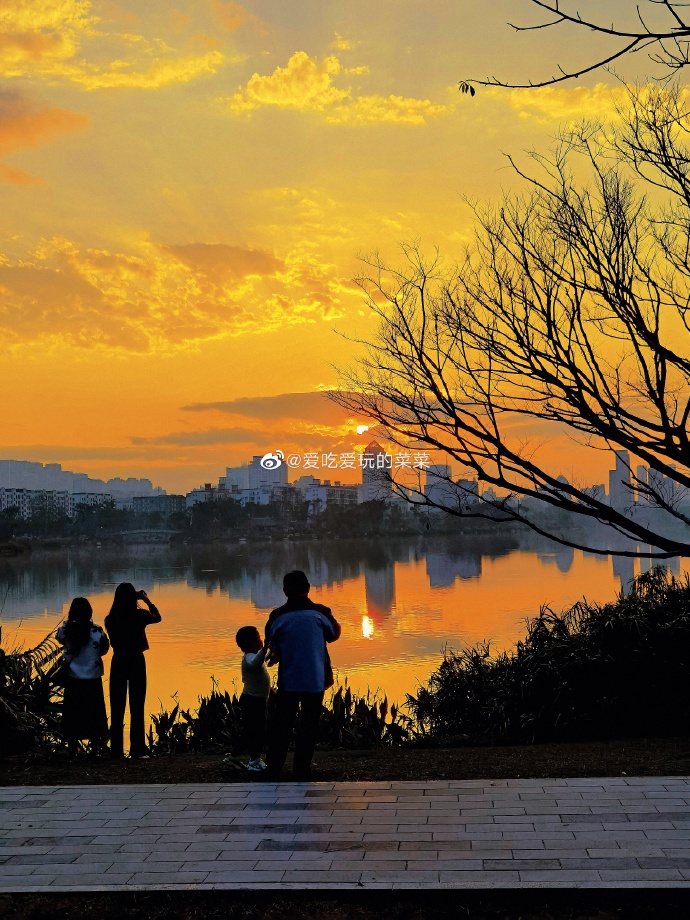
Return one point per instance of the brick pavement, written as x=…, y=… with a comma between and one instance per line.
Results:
x=518, y=833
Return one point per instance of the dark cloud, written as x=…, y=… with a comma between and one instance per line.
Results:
x=25, y=124
x=212, y=436
x=313, y=407
x=220, y=262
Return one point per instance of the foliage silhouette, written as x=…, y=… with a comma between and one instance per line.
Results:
x=617, y=670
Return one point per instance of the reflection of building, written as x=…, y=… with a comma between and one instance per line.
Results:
x=563, y=558
x=443, y=568
x=376, y=483
x=624, y=570
x=266, y=590
x=379, y=587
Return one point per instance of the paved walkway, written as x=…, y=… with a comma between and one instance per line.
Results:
x=592, y=833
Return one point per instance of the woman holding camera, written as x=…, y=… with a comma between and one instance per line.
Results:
x=126, y=626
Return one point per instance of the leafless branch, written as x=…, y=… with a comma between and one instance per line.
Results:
x=670, y=44
x=568, y=308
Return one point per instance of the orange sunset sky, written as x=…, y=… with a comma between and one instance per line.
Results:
x=187, y=186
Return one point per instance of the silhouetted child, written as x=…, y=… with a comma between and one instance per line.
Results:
x=255, y=692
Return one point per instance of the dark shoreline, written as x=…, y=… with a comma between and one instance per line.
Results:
x=631, y=757
x=458, y=904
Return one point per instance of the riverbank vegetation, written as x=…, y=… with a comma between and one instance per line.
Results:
x=594, y=671
x=227, y=521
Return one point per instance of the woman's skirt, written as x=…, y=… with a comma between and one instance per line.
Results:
x=83, y=709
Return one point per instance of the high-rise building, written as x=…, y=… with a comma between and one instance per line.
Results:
x=620, y=483
x=438, y=487
x=376, y=473
x=265, y=477
x=236, y=478
x=325, y=495
x=159, y=504
x=468, y=493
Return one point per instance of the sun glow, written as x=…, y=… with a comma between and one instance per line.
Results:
x=367, y=627
x=362, y=428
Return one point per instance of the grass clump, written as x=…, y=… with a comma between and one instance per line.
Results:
x=348, y=720
x=591, y=672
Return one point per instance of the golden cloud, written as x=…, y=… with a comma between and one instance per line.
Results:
x=159, y=298
x=398, y=110
x=304, y=84
x=564, y=104
x=160, y=73
x=307, y=84
x=35, y=34
x=341, y=44
x=314, y=409
x=45, y=36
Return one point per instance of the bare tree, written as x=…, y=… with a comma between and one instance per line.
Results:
x=572, y=306
x=661, y=28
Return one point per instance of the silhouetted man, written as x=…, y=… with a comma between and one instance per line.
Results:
x=298, y=632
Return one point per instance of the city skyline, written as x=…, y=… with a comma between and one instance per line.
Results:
x=261, y=479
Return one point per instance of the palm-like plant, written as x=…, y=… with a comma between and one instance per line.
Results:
x=30, y=695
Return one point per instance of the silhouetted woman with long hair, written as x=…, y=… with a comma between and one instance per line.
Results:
x=83, y=708
x=126, y=625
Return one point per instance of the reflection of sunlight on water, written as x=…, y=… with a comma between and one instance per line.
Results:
x=399, y=605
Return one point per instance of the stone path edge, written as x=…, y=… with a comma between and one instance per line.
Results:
x=610, y=832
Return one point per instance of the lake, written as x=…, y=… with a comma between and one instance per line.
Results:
x=400, y=601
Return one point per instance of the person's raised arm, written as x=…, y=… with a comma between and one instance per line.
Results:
x=256, y=659
x=152, y=614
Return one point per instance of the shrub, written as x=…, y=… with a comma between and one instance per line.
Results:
x=347, y=721
x=594, y=671
x=29, y=696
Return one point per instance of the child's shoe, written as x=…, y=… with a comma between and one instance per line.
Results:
x=256, y=765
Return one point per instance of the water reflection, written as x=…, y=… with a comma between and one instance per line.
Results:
x=562, y=558
x=412, y=596
x=444, y=567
